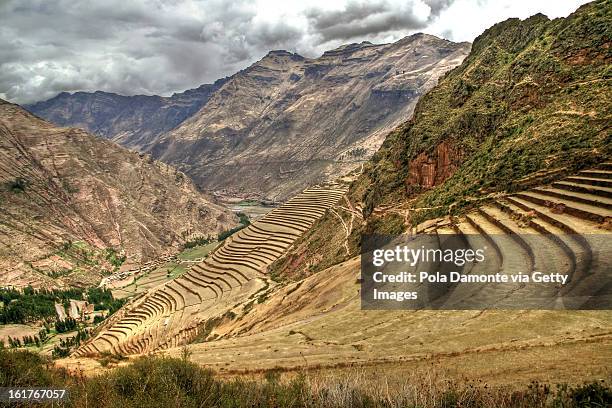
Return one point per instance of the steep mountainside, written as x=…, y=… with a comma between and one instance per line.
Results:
x=287, y=121
x=530, y=103
x=132, y=121
x=73, y=205
x=528, y=106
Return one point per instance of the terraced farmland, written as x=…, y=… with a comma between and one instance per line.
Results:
x=318, y=321
x=562, y=228
x=165, y=271
x=173, y=313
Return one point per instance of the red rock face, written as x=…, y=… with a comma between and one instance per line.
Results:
x=429, y=171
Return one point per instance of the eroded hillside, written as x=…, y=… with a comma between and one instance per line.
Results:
x=73, y=205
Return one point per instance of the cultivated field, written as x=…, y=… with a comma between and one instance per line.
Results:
x=164, y=273
x=16, y=331
x=176, y=312
x=317, y=322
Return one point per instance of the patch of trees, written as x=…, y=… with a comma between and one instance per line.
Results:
x=103, y=299
x=197, y=241
x=44, y=332
x=66, y=325
x=31, y=305
x=65, y=345
x=24, y=341
x=28, y=340
x=244, y=222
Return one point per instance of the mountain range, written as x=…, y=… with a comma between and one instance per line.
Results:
x=528, y=106
x=281, y=124
x=132, y=121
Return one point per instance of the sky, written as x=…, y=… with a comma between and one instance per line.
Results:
x=165, y=46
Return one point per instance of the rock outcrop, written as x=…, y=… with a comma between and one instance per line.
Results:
x=430, y=170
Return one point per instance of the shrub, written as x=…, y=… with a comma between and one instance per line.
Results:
x=17, y=186
x=114, y=257
x=167, y=382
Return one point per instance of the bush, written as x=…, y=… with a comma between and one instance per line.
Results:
x=167, y=382
x=593, y=395
x=17, y=186
x=114, y=257
x=22, y=368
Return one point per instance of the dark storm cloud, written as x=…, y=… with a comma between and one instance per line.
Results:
x=359, y=18
x=164, y=46
x=121, y=46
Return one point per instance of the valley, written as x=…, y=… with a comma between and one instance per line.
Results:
x=225, y=259
x=76, y=208
x=278, y=126
x=231, y=278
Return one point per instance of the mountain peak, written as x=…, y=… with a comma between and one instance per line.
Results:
x=346, y=49
x=420, y=37
x=283, y=54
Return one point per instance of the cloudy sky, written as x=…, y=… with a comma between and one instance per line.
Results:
x=164, y=46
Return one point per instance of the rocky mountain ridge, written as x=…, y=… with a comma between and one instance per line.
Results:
x=287, y=121
x=132, y=121
x=281, y=124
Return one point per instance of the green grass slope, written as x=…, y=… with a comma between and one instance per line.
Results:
x=531, y=102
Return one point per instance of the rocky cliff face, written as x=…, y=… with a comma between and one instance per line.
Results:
x=287, y=121
x=132, y=121
x=72, y=205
